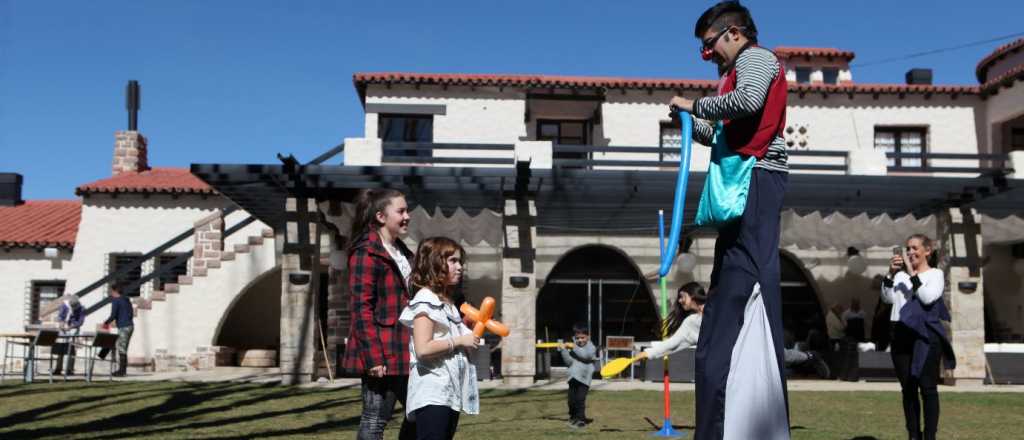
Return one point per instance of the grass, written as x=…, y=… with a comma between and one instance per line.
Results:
x=241, y=410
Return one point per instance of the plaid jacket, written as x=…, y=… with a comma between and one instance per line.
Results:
x=377, y=295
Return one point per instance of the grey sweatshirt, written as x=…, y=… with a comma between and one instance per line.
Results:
x=581, y=361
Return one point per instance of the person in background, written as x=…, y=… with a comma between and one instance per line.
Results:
x=914, y=288
x=122, y=315
x=581, y=360
x=71, y=316
x=853, y=318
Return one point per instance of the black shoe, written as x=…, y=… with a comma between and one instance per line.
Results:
x=581, y=424
x=55, y=372
x=588, y=420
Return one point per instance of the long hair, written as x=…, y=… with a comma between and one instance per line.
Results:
x=368, y=203
x=675, y=318
x=430, y=267
x=926, y=241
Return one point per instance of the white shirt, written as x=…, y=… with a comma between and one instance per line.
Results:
x=932, y=284
x=399, y=257
x=448, y=379
x=684, y=337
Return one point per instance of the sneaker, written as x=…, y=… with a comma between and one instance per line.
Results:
x=581, y=424
x=588, y=420
x=573, y=424
x=819, y=365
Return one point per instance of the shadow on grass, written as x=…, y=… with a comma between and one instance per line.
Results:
x=194, y=396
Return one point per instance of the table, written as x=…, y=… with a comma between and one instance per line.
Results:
x=26, y=338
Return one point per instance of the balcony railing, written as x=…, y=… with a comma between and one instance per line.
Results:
x=951, y=163
x=447, y=153
x=665, y=158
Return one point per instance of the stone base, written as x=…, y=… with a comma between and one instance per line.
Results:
x=296, y=379
x=517, y=381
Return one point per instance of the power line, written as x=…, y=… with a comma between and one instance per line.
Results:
x=935, y=51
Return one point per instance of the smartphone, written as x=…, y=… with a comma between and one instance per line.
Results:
x=898, y=250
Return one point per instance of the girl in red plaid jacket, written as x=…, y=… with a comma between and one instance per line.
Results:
x=378, y=346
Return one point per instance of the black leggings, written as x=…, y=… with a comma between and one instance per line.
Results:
x=927, y=384
x=436, y=422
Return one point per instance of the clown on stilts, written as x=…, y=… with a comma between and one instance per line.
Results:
x=740, y=382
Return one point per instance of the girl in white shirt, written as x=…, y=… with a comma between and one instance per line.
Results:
x=442, y=381
x=916, y=369
x=689, y=299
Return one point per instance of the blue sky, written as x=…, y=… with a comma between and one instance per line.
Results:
x=238, y=81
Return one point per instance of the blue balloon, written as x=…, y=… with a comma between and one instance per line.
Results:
x=685, y=144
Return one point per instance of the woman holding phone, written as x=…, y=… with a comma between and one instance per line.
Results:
x=914, y=287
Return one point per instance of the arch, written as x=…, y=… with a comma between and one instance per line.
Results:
x=620, y=300
x=253, y=317
x=802, y=310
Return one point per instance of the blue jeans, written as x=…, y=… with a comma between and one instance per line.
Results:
x=379, y=397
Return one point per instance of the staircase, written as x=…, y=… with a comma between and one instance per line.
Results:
x=175, y=326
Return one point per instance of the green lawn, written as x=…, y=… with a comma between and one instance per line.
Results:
x=236, y=410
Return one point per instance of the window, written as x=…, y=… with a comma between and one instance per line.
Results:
x=407, y=128
x=908, y=144
x=171, y=275
x=118, y=261
x=671, y=138
x=43, y=293
x=830, y=75
x=1017, y=138
x=803, y=75
x=563, y=132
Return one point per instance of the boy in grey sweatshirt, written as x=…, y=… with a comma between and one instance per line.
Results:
x=582, y=360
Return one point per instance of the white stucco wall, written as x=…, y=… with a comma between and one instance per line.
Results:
x=19, y=267
x=1001, y=107
x=840, y=123
x=484, y=115
x=136, y=224
x=633, y=118
x=190, y=318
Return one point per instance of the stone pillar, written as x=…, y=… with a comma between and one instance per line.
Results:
x=519, y=300
x=960, y=248
x=129, y=152
x=337, y=302
x=209, y=243
x=297, y=319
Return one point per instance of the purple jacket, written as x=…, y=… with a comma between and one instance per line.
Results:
x=926, y=320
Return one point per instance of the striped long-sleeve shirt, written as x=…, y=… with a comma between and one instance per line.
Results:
x=755, y=69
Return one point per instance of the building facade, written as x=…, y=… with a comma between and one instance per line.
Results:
x=226, y=283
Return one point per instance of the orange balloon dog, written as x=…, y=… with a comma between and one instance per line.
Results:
x=482, y=318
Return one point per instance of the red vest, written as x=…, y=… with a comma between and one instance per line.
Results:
x=753, y=134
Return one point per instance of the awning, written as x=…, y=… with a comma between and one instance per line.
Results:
x=871, y=209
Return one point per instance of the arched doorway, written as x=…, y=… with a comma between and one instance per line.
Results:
x=253, y=320
x=801, y=311
x=600, y=286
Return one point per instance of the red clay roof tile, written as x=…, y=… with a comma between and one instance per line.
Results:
x=155, y=180
x=40, y=223
x=997, y=54
x=789, y=52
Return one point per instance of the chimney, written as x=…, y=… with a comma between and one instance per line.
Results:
x=130, y=146
x=919, y=76
x=10, y=189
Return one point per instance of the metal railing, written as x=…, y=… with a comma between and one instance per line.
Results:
x=426, y=153
x=962, y=163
